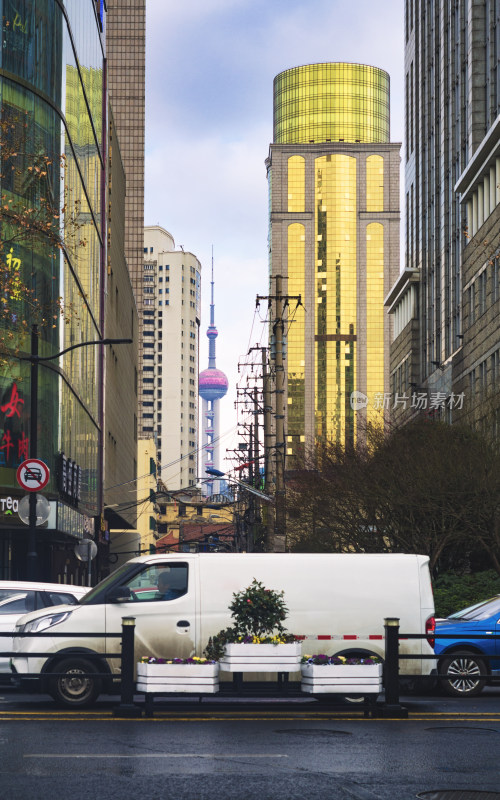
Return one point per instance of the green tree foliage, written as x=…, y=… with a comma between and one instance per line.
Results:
x=453, y=592
x=37, y=226
x=258, y=611
x=427, y=488
x=258, y=614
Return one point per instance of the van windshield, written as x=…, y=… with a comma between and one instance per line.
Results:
x=114, y=577
x=482, y=610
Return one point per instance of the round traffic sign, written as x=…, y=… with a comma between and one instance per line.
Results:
x=86, y=550
x=42, y=509
x=33, y=474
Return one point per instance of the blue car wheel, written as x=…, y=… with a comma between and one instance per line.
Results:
x=459, y=675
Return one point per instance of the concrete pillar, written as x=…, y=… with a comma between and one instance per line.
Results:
x=486, y=184
x=474, y=214
x=469, y=217
x=480, y=205
x=497, y=180
x=493, y=200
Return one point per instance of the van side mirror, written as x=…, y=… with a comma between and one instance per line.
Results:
x=119, y=594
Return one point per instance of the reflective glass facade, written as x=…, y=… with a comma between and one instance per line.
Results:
x=375, y=355
x=331, y=102
x=296, y=183
x=51, y=87
x=336, y=294
x=296, y=339
x=334, y=237
x=374, y=183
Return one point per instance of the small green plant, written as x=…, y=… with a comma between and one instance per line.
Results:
x=259, y=614
x=258, y=611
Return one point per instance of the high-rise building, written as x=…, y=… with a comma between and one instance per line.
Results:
x=126, y=76
x=169, y=376
x=121, y=376
x=334, y=238
x=49, y=104
x=213, y=386
x=445, y=357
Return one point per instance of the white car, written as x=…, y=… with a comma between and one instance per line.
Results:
x=19, y=597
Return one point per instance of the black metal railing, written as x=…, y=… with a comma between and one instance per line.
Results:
x=391, y=705
x=125, y=655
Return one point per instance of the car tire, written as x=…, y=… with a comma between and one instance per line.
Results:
x=71, y=688
x=458, y=673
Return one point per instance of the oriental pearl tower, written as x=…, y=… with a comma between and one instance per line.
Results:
x=212, y=387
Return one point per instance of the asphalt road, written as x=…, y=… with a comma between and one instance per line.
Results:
x=244, y=750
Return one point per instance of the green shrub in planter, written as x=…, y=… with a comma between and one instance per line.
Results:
x=259, y=614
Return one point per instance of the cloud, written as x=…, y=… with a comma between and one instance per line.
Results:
x=210, y=71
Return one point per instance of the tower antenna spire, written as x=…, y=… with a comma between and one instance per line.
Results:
x=213, y=386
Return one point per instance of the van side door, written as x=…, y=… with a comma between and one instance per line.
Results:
x=162, y=598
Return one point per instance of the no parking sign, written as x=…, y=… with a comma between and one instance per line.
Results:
x=33, y=474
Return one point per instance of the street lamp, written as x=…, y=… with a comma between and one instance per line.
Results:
x=218, y=474
x=35, y=359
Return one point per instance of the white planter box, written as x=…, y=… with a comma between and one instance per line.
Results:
x=261, y=658
x=178, y=678
x=341, y=679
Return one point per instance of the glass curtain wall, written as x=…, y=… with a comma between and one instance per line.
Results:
x=51, y=85
x=330, y=103
x=336, y=295
x=296, y=341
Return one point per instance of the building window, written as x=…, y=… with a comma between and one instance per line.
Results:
x=482, y=292
x=495, y=287
x=472, y=304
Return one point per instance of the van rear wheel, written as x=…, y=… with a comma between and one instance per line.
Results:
x=458, y=675
x=72, y=688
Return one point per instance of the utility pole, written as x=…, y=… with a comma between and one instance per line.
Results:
x=280, y=450
x=276, y=537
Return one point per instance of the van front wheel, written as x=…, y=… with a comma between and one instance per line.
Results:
x=71, y=687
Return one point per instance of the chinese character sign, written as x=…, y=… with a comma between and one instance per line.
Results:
x=14, y=421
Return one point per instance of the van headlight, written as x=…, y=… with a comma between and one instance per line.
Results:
x=42, y=623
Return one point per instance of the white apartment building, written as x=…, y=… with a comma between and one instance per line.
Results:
x=171, y=325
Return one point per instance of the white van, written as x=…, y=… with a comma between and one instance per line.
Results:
x=337, y=602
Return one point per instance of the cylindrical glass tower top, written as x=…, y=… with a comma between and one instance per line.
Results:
x=330, y=103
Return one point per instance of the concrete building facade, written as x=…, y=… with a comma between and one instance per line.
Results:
x=452, y=180
x=334, y=238
x=169, y=376
x=126, y=76
x=121, y=375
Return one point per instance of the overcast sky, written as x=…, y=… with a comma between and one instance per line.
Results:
x=209, y=81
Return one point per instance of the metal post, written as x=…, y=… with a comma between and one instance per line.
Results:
x=32, y=556
x=392, y=706
x=127, y=707
x=89, y=569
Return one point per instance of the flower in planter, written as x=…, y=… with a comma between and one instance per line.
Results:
x=191, y=660
x=259, y=614
x=321, y=659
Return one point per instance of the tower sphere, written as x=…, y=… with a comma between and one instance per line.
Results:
x=213, y=384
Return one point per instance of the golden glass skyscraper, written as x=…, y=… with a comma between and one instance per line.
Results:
x=334, y=238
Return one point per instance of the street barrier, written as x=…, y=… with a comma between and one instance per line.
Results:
x=389, y=707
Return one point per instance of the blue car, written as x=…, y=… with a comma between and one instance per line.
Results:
x=460, y=674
